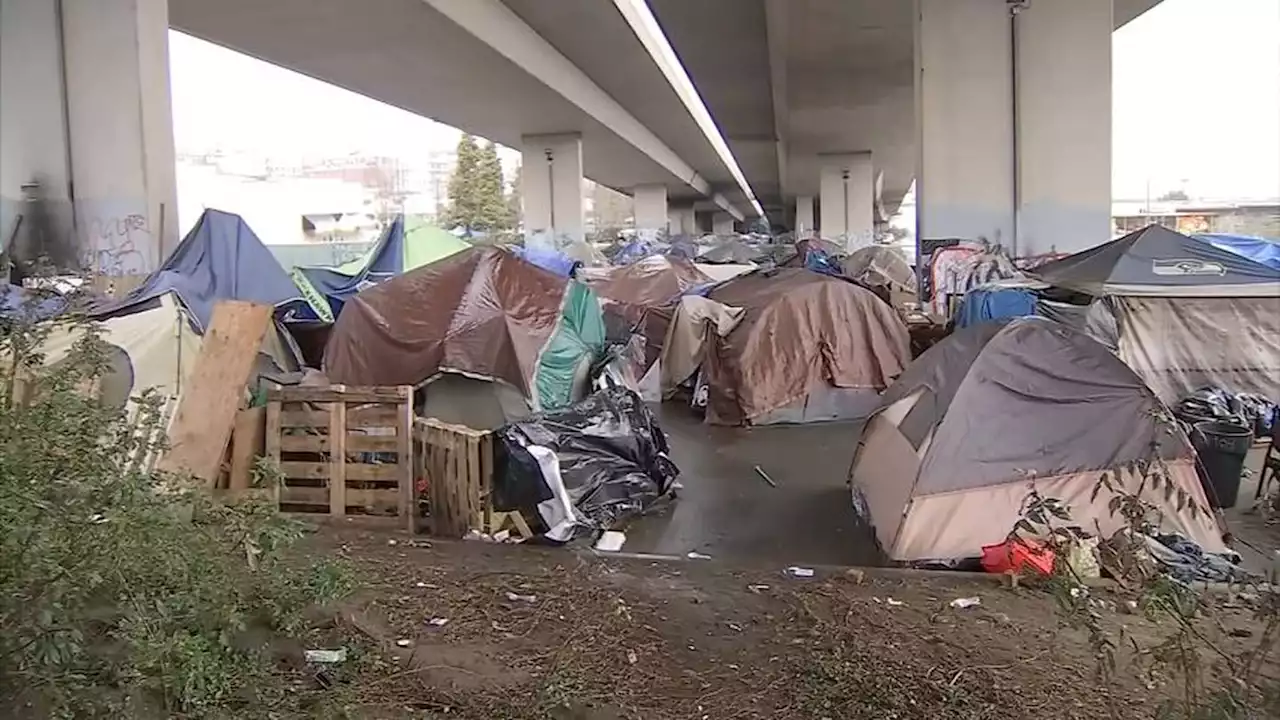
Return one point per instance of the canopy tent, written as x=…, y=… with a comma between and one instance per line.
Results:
x=1156, y=261
x=404, y=245
x=481, y=316
x=1259, y=250
x=944, y=465
x=809, y=347
x=220, y=259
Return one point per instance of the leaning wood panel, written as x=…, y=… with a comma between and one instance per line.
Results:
x=207, y=408
x=453, y=461
x=345, y=451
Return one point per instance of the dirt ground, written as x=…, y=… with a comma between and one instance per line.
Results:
x=558, y=633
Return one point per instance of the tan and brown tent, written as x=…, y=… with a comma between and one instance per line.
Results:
x=808, y=348
x=479, y=315
x=651, y=282
x=945, y=464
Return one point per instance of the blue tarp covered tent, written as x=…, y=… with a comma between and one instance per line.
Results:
x=1259, y=250
x=220, y=259
x=981, y=306
x=548, y=259
x=26, y=306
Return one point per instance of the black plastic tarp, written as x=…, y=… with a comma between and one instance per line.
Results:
x=605, y=456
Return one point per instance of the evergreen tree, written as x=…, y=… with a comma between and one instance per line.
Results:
x=491, y=198
x=515, y=208
x=463, y=185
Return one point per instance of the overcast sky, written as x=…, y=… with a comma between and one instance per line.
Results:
x=1196, y=82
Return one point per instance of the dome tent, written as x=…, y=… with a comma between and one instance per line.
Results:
x=489, y=336
x=944, y=465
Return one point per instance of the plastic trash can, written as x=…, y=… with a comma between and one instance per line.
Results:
x=1222, y=448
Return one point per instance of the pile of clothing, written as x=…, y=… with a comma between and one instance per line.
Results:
x=1215, y=403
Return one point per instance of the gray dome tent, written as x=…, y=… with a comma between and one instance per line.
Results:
x=945, y=464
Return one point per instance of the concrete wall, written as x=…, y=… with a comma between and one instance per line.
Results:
x=100, y=145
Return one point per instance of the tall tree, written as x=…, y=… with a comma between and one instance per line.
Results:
x=515, y=201
x=492, y=211
x=463, y=184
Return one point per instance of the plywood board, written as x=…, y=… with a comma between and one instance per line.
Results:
x=207, y=408
x=248, y=441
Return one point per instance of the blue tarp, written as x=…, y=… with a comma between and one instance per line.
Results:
x=981, y=306
x=547, y=259
x=220, y=259
x=1259, y=250
x=386, y=261
x=28, y=306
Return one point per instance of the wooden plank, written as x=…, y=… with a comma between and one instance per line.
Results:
x=359, y=442
x=338, y=459
x=382, y=501
x=338, y=393
x=248, y=441
x=305, y=470
x=469, y=484
x=369, y=472
x=374, y=416
x=304, y=443
x=404, y=437
x=294, y=416
x=207, y=409
x=273, y=433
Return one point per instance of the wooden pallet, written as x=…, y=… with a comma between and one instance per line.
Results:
x=344, y=451
x=456, y=464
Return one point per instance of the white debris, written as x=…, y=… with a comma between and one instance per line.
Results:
x=391, y=542
x=404, y=643
x=797, y=571
x=325, y=656
x=693, y=555
x=425, y=586
x=893, y=603
x=757, y=589
x=966, y=602
x=631, y=657
x=611, y=541
x=513, y=597
x=438, y=622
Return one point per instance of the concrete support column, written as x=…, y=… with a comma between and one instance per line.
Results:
x=1014, y=123
x=682, y=221
x=87, y=116
x=805, y=224
x=552, y=185
x=722, y=223
x=650, y=207
x=848, y=198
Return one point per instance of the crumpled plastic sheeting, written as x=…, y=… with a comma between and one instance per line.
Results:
x=612, y=460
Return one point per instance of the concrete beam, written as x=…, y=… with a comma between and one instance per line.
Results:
x=722, y=223
x=682, y=220
x=494, y=24
x=551, y=188
x=805, y=225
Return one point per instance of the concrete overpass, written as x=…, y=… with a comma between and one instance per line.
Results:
x=821, y=111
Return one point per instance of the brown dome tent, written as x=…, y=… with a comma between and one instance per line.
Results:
x=945, y=464
x=649, y=282
x=489, y=335
x=809, y=347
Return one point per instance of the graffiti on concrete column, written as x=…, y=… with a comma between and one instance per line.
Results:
x=119, y=245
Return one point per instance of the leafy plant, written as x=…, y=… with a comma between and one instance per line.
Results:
x=122, y=591
x=1214, y=679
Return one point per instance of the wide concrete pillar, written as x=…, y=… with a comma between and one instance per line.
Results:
x=552, y=185
x=1014, y=123
x=805, y=225
x=650, y=207
x=722, y=223
x=86, y=124
x=847, y=201
x=682, y=220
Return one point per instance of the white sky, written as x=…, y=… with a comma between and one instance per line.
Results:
x=1197, y=99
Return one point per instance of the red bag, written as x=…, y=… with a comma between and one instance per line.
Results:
x=1027, y=557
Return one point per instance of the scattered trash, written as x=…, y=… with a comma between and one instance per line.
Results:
x=757, y=589
x=734, y=627
x=426, y=585
x=966, y=603
x=877, y=600
x=693, y=555
x=404, y=643
x=438, y=622
x=325, y=656
x=734, y=666
x=893, y=603
x=611, y=541
x=513, y=597
x=631, y=657
x=1079, y=591
x=391, y=542
x=1240, y=633
x=856, y=575
x=797, y=571
x=503, y=537
x=765, y=476
x=677, y=485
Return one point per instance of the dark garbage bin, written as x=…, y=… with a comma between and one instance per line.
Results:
x=1222, y=448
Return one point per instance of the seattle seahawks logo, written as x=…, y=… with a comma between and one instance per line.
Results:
x=1187, y=266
